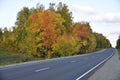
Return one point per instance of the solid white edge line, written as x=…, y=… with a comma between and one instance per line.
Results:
x=42, y=69
x=94, y=67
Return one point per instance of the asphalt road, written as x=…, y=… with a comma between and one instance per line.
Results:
x=69, y=68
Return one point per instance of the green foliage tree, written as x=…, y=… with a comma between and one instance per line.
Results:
x=6, y=40
x=22, y=17
x=1, y=34
x=118, y=43
x=102, y=41
x=63, y=10
x=39, y=8
x=20, y=31
x=52, y=6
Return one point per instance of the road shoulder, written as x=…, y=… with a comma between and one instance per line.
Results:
x=109, y=71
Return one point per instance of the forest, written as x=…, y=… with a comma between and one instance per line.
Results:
x=48, y=33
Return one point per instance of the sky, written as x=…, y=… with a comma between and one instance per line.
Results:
x=103, y=15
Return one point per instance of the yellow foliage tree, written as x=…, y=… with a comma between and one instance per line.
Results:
x=44, y=27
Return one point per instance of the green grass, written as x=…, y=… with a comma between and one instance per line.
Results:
x=7, y=57
x=98, y=49
x=118, y=51
x=12, y=58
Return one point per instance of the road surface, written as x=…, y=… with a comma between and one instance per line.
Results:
x=109, y=71
x=70, y=68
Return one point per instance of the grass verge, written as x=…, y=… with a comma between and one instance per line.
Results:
x=118, y=51
x=7, y=58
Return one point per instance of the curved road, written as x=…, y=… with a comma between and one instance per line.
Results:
x=70, y=68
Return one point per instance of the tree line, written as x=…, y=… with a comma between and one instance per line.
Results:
x=51, y=32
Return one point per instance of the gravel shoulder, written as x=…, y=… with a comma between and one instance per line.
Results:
x=109, y=71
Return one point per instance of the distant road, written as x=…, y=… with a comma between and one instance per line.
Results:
x=70, y=68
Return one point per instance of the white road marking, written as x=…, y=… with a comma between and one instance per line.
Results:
x=94, y=67
x=42, y=69
x=72, y=61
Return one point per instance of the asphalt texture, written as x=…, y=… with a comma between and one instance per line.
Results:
x=109, y=71
x=68, y=68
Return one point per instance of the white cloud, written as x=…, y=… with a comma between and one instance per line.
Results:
x=115, y=33
x=106, y=22
x=87, y=13
x=106, y=18
x=103, y=18
x=83, y=9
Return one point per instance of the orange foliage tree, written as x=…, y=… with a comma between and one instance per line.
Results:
x=66, y=45
x=83, y=32
x=45, y=27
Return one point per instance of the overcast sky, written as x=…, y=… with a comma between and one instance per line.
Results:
x=103, y=15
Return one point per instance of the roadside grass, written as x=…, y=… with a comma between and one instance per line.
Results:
x=7, y=58
x=98, y=49
x=118, y=51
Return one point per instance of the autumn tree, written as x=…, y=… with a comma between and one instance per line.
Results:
x=48, y=33
x=44, y=28
x=83, y=32
x=66, y=45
